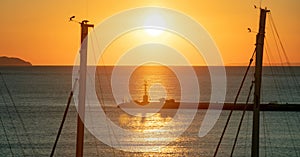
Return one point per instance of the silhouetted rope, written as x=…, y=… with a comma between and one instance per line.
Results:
x=290, y=133
x=63, y=120
x=13, y=125
x=18, y=115
x=247, y=133
x=102, y=101
x=287, y=82
x=277, y=87
x=236, y=98
x=241, y=120
x=277, y=84
x=266, y=134
x=5, y=132
x=274, y=29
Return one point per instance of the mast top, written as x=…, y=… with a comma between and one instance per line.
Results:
x=266, y=10
x=83, y=22
x=255, y=7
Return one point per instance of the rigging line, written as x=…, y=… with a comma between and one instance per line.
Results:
x=87, y=8
x=18, y=115
x=290, y=133
x=5, y=132
x=285, y=116
x=92, y=122
x=280, y=42
x=248, y=129
x=247, y=133
x=241, y=120
x=277, y=85
x=266, y=131
x=98, y=78
x=102, y=60
x=278, y=51
x=232, y=108
x=6, y=137
x=264, y=127
x=92, y=119
x=284, y=52
x=269, y=139
x=287, y=123
x=64, y=118
x=260, y=3
x=101, y=90
x=283, y=49
x=289, y=94
x=280, y=99
x=97, y=73
x=12, y=122
x=276, y=42
x=298, y=120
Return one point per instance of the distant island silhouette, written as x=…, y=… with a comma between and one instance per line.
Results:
x=12, y=61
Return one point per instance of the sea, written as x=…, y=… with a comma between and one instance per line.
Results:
x=33, y=101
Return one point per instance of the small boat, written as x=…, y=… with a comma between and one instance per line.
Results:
x=146, y=103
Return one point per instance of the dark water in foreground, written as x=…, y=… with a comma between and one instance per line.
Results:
x=29, y=124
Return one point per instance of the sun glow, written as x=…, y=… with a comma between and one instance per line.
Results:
x=157, y=20
x=153, y=32
x=140, y=37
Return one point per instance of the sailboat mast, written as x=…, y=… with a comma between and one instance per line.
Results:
x=258, y=73
x=82, y=89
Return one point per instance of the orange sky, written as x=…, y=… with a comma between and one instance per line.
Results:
x=39, y=31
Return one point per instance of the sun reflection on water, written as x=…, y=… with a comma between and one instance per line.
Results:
x=149, y=125
x=145, y=124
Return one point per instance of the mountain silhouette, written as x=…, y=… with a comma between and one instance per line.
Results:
x=11, y=61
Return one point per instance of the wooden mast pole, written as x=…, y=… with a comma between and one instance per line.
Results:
x=258, y=73
x=82, y=89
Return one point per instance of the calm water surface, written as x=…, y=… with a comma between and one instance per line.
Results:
x=29, y=124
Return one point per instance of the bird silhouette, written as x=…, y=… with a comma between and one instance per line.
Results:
x=249, y=30
x=71, y=18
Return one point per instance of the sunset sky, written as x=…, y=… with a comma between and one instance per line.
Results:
x=39, y=31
